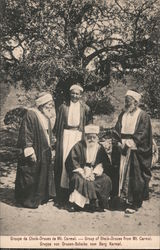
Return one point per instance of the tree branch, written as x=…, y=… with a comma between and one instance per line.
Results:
x=124, y=47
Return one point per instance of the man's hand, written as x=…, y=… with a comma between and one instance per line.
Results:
x=80, y=171
x=33, y=157
x=121, y=146
x=88, y=177
x=53, y=154
x=91, y=177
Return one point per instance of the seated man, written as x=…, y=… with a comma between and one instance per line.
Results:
x=88, y=165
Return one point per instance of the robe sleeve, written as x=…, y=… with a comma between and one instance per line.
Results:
x=73, y=160
x=143, y=134
x=116, y=137
x=104, y=160
x=53, y=118
x=26, y=133
x=117, y=129
x=59, y=123
x=51, y=135
x=89, y=115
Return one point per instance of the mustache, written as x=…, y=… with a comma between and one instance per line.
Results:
x=91, y=143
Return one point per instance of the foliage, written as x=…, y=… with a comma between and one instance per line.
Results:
x=151, y=90
x=53, y=43
x=14, y=117
x=99, y=102
x=149, y=80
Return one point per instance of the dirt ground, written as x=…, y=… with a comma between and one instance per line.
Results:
x=49, y=220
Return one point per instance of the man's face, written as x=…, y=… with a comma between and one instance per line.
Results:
x=130, y=103
x=48, y=109
x=91, y=139
x=75, y=95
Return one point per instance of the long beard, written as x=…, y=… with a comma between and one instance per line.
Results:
x=130, y=108
x=91, y=144
x=48, y=113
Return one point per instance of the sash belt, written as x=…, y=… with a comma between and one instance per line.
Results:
x=89, y=164
x=126, y=136
x=71, y=127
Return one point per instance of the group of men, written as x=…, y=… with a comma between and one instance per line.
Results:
x=82, y=175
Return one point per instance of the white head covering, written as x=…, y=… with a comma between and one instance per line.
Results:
x=134, y=94
x=76, y=86
x=43, y=99
x=91, y=129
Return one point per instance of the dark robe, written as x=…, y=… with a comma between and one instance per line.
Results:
x=60, y=125
x=34, y=183
x=140, y=159
x=100, y=188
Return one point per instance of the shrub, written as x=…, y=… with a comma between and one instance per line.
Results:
x=14, y=117
x=99, y=102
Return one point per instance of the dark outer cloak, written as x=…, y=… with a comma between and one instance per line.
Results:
x=34, y=181
x=141, y=158
x=99, y=188
x=61, y=124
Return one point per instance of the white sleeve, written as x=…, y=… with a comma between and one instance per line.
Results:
x=28, y=151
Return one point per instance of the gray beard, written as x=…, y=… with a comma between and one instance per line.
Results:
x=130, y=109
x=48, y=113
x=91, y=144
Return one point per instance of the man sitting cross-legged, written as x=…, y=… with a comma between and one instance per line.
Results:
x=88, y=165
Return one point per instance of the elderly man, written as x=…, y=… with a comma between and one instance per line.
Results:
x=132, y=153
x=34, y=180
x=69, y=127
x=88, y=166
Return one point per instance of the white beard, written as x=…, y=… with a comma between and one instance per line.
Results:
x=131, y=108
x=48, y=113
x=91, y=144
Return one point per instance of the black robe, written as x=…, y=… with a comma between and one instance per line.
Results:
x=140, y=159
x=34, y=180
x=61, y=124
x=100, y=188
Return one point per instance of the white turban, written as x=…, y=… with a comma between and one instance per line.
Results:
x=76, y=86
x=134, y=94
x=91, y=129
x=43, y=99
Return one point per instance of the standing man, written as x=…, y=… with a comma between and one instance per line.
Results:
x=34, y=180
x=88, y=166
x=132, y=153
x=69, y=127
